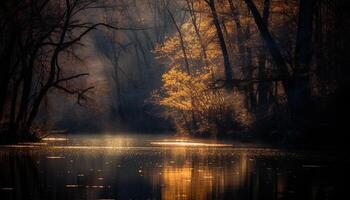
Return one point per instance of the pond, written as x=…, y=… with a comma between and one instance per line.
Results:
x=163, y=167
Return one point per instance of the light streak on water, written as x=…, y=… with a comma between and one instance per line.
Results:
x=190, y=144
x=54, y=139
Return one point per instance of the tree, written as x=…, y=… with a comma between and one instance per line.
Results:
x=227, y=64
x=38, y=36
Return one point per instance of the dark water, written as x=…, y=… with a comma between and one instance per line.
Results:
x=129, y=167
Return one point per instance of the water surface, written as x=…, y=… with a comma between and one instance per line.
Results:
x=158, y=167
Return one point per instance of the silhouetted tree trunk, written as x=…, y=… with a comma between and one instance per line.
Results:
x=117, y=79
x=5, y=65
x=239, y=30
x=263, y=86
x=303, y=55
x=223, y=46
x=249, y=68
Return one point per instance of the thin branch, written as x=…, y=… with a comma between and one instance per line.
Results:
x=79, y=92
x=71, y=77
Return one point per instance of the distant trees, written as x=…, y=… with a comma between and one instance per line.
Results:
x=263, y=51
x=131, y=72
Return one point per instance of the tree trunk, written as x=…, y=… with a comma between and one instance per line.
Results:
x=5, y=68
x=116, y=79
x=227, y=64
x=263, y=86
x=249, y=69
x=240, y=36
x=182, y=42
x=197, y=31
x=303, y=55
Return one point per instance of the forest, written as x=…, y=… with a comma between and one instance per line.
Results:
x=174, y=99
x=238, y=69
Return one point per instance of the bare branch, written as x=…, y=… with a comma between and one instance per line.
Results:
x=71, y=77
x=79, y=92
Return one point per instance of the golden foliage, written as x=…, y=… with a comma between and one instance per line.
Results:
x=187, y=95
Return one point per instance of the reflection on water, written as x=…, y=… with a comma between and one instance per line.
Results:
x=147, y=168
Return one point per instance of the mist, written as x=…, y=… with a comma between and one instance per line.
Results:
x=116, y=103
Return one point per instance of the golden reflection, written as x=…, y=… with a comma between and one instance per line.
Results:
x=54, y=139
x=177, y=183
x=185, y=176
x=55, y=157
x=72, y=186
x=190, y=144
